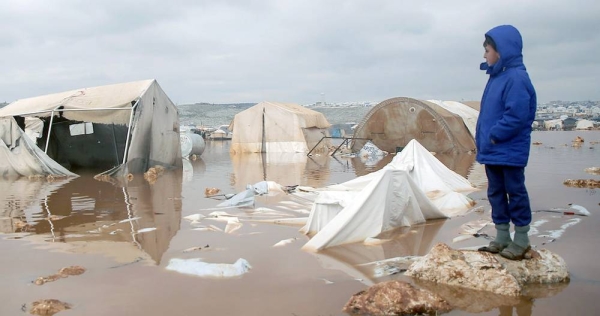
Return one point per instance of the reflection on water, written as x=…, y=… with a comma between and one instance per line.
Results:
x=353, y=258
x=282, y=168
x=86, y=211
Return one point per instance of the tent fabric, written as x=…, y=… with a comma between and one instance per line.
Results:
x=20, y=156
x=107, y=111
x=116, y=96
x=394, y=122
x=392, y=199
x=278, y=127
x=339, y=209
x=467, y=113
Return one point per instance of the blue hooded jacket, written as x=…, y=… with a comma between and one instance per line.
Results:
x=508, y=104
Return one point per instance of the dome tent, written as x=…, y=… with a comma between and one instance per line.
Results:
x=442, y=127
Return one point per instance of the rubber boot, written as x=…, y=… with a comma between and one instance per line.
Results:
x=520, y=246
x=502, y=239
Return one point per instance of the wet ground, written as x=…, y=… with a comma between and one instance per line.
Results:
x=125, y=238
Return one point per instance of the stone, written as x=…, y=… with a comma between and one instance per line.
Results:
x=489, y=272
x=396, y=298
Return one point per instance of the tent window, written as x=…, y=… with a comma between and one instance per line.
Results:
x=81, y=129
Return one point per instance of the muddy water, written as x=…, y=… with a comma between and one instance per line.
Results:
x=125, y=237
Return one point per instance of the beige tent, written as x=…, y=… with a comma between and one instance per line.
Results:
x=126, y=127
x=278, y=127
x=440, y=126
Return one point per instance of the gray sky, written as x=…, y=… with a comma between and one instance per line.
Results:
x=292, y=51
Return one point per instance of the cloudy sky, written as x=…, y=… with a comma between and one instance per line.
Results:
x=293, y=51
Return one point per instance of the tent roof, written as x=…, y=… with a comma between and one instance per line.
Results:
x=311, y=118
x=115, y=96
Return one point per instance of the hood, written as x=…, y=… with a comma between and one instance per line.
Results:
x=509, y=45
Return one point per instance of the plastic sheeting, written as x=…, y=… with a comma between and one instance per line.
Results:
x=412, y=188
x=467, y=113
x=20, y=156
x=199, y=268
x=390, y=200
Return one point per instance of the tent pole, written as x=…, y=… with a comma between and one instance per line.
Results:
x=129, y=130
x=49, y=131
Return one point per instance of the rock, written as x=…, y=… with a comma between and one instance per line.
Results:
x=395, y=298
x=469, y=300
x=48, y=307
x=484, y=271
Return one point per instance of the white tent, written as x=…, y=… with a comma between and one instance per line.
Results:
x=467, y=113
x=584, y=124
x=128, y=127
x=390, y=200
x=412, y=188
x=278, y=127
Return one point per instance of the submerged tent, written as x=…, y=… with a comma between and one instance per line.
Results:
x=279, y=127
x=126, y=127
x=440, y=126
x=412, y=188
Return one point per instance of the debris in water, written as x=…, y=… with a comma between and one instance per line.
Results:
x=48, y=307
x=145, y=230
x=284, y=242
x=62, y=273
x=593, y=170
x=582, y=183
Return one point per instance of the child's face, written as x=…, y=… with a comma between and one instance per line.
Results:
x=491, y=55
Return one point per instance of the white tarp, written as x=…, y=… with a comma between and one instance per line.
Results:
x=467, y=113
x=391, y=200
x=20, y=156
x=412, y=188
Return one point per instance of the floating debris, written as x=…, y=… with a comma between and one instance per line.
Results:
x=129, y=219
x=284, y=242
x=62, y=273
x=593, y=170
x=199, y=268
x=145, y=230
x=537, y=143
x=326, y=281
x=582, y=183
x=194, y=248
x=153, y=173
x=211, y=191
x=48, y=307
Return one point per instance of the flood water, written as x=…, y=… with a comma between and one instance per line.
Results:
x=125, y=237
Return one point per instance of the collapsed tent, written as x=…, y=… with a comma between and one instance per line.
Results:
x=412, y=188
x=440, y=126
x=279, y=127
x=126, y=127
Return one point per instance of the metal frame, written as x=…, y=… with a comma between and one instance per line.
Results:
x=346, y=139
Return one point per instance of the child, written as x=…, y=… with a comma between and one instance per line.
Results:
x=503, y=138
